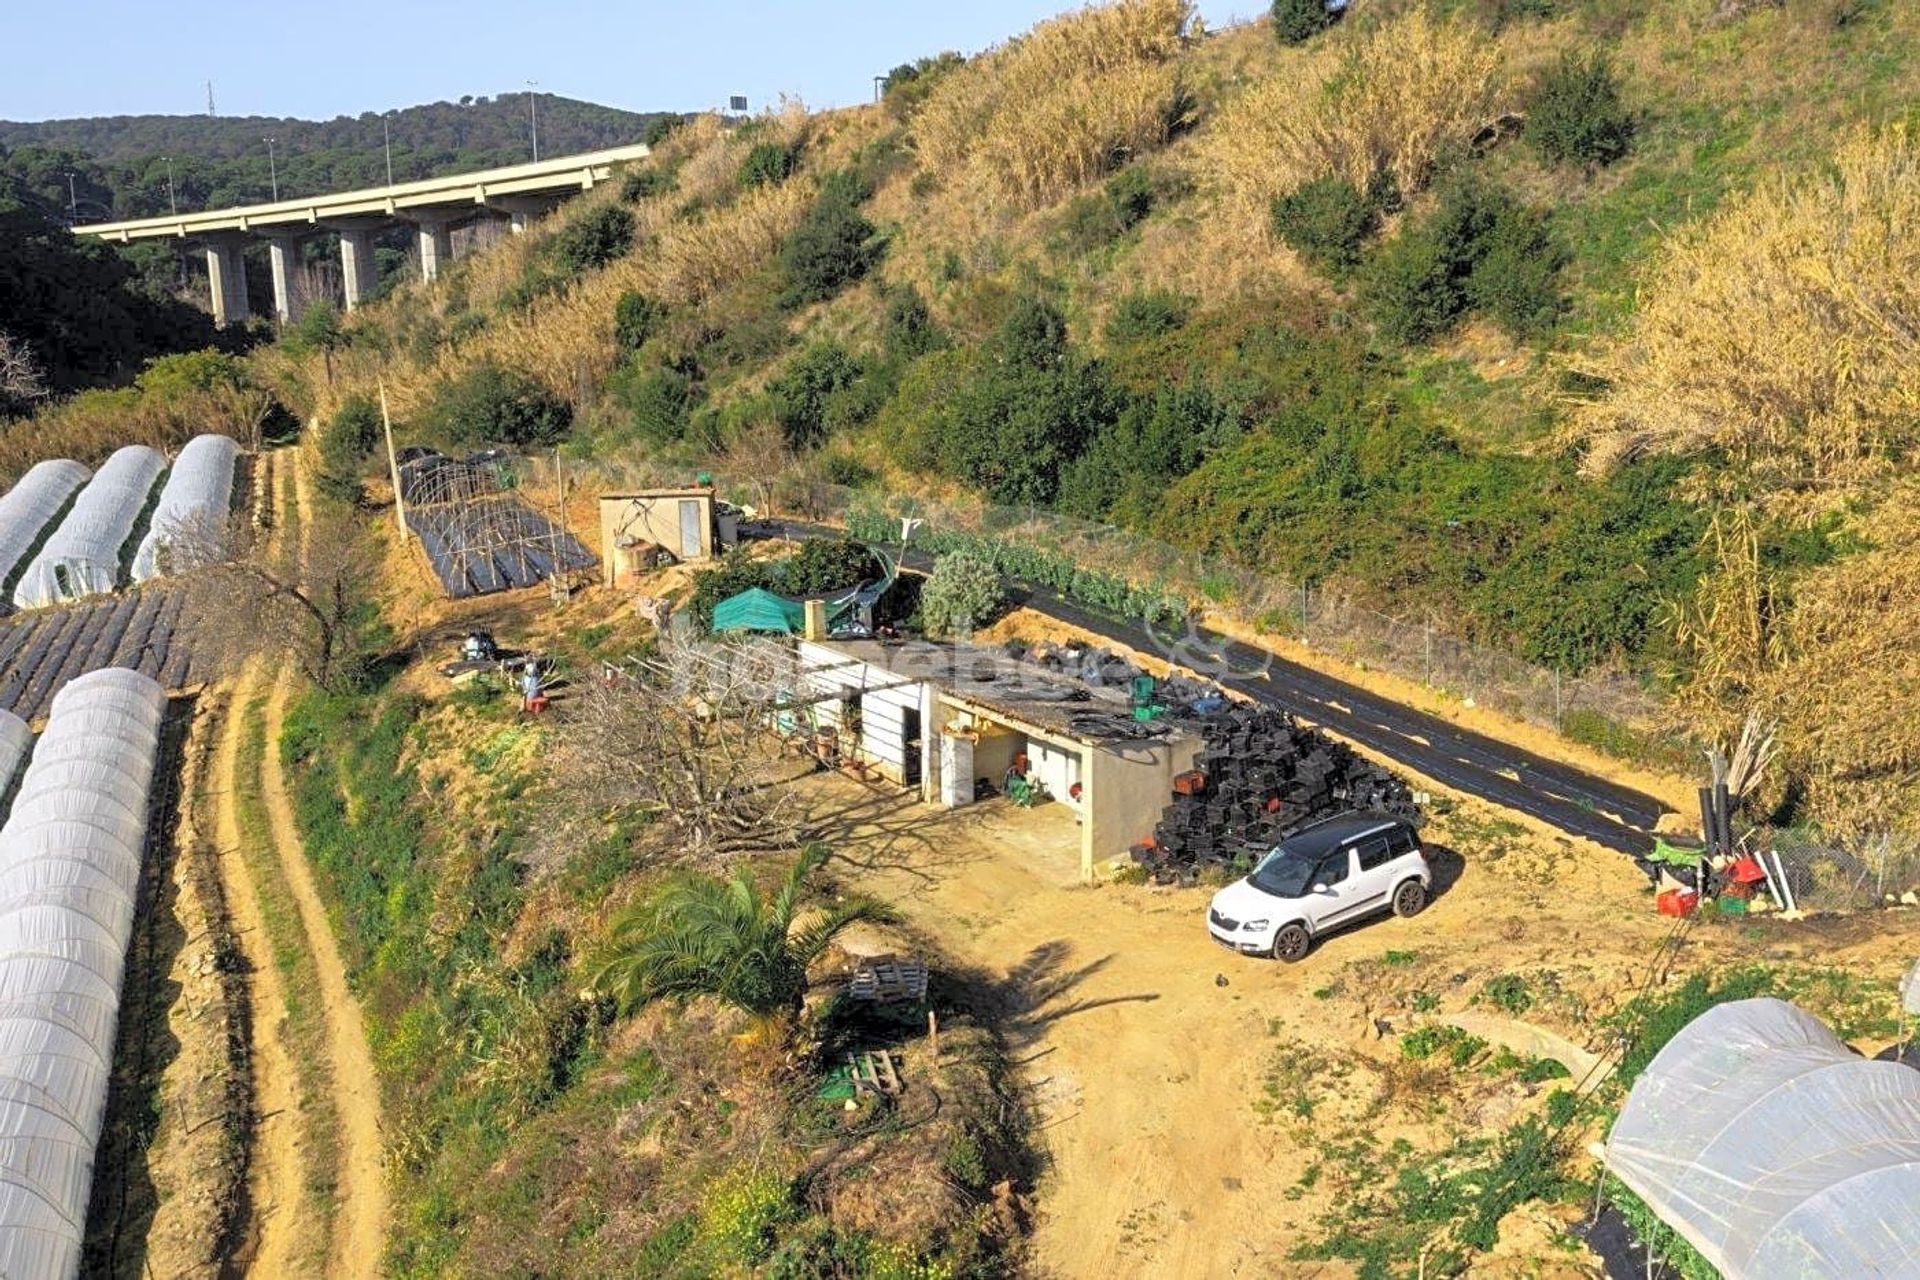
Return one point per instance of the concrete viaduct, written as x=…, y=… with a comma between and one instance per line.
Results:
x=433, y=207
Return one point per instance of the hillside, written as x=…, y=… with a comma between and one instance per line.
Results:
x=220, y=160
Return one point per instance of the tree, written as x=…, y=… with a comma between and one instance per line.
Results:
x=489, y=403
x=1296, y=21
x=345, y=441
x=21, y=382
x=964, y=591
x=833, y=246
x=319, y=329
x=700, y=935
x=800, y=394
x=594, y=239
x=636, y=317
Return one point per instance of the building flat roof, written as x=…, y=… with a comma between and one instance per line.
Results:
x=999, y=685
x=638, y=494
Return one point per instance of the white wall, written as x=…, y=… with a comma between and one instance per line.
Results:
x=884, y=703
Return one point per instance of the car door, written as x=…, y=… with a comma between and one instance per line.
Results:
x=1332, y=893
x=1373, y=879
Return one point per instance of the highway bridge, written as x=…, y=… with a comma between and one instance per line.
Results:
x=433, y=207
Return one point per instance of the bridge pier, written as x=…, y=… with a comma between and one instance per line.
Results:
x=283, y=254
x=522, y=210
x=433, y=231
x=359, y=278
x=227, y=279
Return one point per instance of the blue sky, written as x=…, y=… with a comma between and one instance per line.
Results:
x=322, y=60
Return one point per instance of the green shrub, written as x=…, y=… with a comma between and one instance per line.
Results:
x=738, y=1213
x=801, y=392
x=1576, y=116
x=833, y=246
x=490, y=404
x=1479, y=249
x=963, y=592
x=592, y=241
x=847, y=471
x=1295, y=21
x=1144, y=315
x=1101, y=217
x=646, y=182
x=659, y=402
x=659, y=130
x=768, y=163
x=908, y=331
x=636, y=317
x=1328, y=220
x=348, y=437
x=1509, y=993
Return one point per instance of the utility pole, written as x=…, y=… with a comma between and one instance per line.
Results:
x=533, y=117
x=73, y=201
x=273, y=170
x=173, y=206
x=386, y=141
x=393, y=464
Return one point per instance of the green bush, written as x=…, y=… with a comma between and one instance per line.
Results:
x=1328, y=220
x=659, y=130
x=833, y=246
x=801, y=393
x=490, y=404
x=659, y=402
x=1479, y=249
x=908, y=331
x=646, y=182
x=963, y=592
x=1144, y=315
x=593, y=240
x=1295, y=21
x=1101, y=217
x=348, y=437
x=636, y=317
x=768, y=163
x=1576, y=116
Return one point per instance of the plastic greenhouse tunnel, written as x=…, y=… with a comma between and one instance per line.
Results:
x=70, y=856
x=192, y=510
x=82, y=557
x=1774, y=1150
x=30, y=506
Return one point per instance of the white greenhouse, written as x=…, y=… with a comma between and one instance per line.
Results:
x=70, y=856
x=82, y=558
x=30, y=506
x=193, y=509
x=1774, y=1149
x=16, y=742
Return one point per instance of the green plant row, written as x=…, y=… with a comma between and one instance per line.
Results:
x=1103, y=592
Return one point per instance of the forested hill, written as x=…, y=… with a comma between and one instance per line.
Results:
x=121, y=168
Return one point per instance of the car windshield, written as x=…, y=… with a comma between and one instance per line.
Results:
x=1284, y=874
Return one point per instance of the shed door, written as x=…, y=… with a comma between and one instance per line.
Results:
x=689, y=529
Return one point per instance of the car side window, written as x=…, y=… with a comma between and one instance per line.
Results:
x=1376, y=852
x=1335, y=867
x=1402, y=841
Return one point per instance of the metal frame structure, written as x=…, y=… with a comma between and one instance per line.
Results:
x=477, y=529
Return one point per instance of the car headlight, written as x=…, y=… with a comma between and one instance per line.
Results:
x=1253, y=926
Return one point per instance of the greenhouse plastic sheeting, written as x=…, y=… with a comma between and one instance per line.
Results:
x=82, y=558
x=1774, y=1150
x=16, y=740
x=70, y=856
x=193, y=507
x=30, y=506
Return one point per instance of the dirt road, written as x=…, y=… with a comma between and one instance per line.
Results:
x=1147, y=1047
x=277, y=1164
x=360, y=1227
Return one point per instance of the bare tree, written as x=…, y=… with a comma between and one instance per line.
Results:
x=20, y=378
x=251, y=595
x=688, y=737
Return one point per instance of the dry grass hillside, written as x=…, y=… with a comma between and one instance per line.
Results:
x=1376, y=310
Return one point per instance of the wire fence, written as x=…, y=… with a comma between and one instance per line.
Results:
x=1823, y=874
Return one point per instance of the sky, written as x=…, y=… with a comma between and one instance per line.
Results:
x=317, y=61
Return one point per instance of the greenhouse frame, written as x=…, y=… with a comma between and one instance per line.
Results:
x=70, y=856
x=1773, y=1149
x=82, y=558
x=194, y=507
x=30, y=506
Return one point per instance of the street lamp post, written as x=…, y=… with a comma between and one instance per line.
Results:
x=173, y=205
x=73, y=201
x=533, y=117
x=273, y=170
x=386, y=141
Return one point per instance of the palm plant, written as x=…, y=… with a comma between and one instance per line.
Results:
x=702, y=935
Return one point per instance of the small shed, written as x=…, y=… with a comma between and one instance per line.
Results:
x=633, y=525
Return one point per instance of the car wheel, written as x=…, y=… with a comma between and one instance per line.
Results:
x=1409, y=899
x=1291, y=942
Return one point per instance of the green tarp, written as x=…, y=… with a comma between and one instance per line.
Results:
x=757, y=609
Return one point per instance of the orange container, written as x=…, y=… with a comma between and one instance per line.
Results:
x=1677, y=902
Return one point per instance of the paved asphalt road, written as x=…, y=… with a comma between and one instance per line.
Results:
x=1569, y=799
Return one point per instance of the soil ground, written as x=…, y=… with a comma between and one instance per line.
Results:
x=1152, y=1053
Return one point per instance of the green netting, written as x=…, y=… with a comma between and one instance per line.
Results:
x=757, y=609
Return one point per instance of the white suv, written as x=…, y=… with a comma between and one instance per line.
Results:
x=1320, y=878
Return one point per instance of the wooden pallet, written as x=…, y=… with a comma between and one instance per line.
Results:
x=888, y=980
x=874, y=1072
